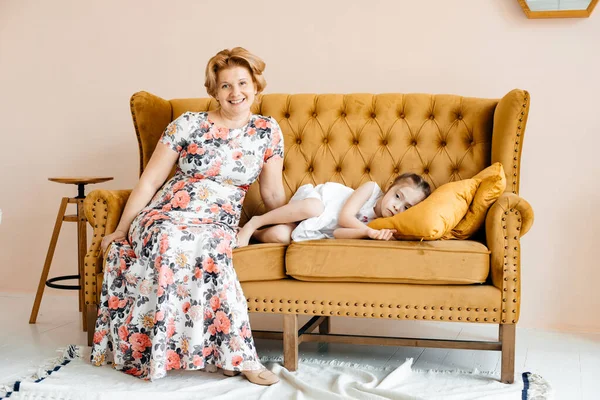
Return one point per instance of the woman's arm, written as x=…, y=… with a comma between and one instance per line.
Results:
x=271, y=183
x=153, y=177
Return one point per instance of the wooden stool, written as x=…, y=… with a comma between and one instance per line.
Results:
x=81, y=248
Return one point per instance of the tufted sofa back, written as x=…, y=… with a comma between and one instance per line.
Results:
x=353, y=138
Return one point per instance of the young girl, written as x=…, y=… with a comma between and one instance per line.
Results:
x=332, y=210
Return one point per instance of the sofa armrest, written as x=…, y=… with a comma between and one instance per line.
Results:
x=510, y=119
x=103, y=209
x=507, y=220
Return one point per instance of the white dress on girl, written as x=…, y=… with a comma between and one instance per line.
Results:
x=333, y=196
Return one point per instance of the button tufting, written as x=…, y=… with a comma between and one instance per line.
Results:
x=367, y=170
x=431, y=116
x=372, y=115
x=343, y=114
x=459, y=117
x=443, y=144
x=414, y=142
x=314, y=114
x=338, y=169
x=355, y=141
x=298, y=141
x=287, y=115
x=396, y=170
x=426, y=171
x=310, y=169
x=385, y=142
x=325, y=140
x=402, y=116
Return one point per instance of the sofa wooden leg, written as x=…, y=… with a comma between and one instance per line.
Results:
x=290, y=341
x=507, y=337
x=324, y=326
x=92, y=314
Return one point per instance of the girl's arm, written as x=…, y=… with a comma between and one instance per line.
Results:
x=363, y=233
x=351, y=227
x=347, y=217
x=351, y=233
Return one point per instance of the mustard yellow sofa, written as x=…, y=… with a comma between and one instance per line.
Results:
x=352, y=138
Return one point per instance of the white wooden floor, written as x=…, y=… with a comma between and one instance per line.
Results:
x=570, y=362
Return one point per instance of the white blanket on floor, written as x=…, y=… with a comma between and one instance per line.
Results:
x=314, y=379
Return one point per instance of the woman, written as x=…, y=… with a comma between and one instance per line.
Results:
x=171, y=298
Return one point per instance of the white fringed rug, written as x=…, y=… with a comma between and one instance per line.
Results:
x=72, y=377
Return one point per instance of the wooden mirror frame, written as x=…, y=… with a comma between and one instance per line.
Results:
x=558, y=14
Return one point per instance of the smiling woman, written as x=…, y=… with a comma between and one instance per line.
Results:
x=171, y=298
x=236, y=57
x=235, y=94
x=233, y=78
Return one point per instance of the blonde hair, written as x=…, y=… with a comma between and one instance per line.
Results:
x=236, y=57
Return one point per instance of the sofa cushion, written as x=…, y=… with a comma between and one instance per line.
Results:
x=467, y=303
x=352, y=260
x=435, y=216
x=493, y=183
x=259, y=262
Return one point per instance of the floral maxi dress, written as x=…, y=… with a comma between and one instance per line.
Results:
x=171, y=298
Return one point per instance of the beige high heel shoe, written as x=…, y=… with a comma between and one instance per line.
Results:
x=262, y=376
x=212, y=368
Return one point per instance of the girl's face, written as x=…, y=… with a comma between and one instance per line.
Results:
x=400, y=198
x=235, y=91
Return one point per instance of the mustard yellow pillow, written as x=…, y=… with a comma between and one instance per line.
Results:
x=435, y=216
x=493, y=183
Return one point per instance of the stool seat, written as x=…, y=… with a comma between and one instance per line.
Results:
x=80, y=180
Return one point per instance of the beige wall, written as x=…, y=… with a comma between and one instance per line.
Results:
x=68, y=68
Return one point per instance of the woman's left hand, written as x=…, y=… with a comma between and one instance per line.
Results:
x=245, y=233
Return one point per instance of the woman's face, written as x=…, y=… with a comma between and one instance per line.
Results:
x=235, y=91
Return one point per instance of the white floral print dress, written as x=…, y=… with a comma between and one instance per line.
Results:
x=171, y=298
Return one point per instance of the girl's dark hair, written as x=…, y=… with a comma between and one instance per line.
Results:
x=417, y=181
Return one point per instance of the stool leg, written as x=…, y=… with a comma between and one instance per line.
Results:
x=81, y=250
x=49, y=255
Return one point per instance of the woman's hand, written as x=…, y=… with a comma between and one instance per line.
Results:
x=381, y=234
x=245, y=233
x=108, y=239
